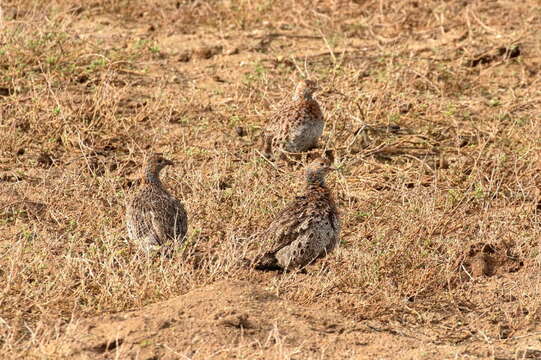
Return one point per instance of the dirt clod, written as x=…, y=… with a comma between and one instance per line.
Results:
x=207, y=52
x=45, y=160
x=488, y=260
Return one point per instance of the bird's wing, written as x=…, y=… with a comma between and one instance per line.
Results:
x=335, y=221
x=280, y=121
x=288, y=224
x=158, y=232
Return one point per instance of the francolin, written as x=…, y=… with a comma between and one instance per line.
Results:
x=307, y=229
x=297, y=125
x=154, y=218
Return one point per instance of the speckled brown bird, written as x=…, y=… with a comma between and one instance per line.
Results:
x=297, y=126
x=307, y=229
x=154, y=218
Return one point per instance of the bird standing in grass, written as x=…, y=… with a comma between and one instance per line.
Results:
x=307, y=229
x=297, y=125
x=154, y=218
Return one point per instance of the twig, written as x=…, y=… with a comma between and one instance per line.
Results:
x=270, y=162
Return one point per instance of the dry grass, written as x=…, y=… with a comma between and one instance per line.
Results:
x=448, y=162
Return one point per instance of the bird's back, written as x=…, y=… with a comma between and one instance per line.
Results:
x=155, y=218
x=307, y=228
x=297, y=125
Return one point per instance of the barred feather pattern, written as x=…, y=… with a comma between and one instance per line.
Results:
x=306, y=230
x=155, y=220
x=298, y=125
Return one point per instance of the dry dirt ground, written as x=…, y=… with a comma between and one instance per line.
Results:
x=239, y=320
x=432, y=109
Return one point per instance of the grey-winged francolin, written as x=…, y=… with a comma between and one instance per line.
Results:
x=154, y=218
x=307, y=229
x=297, y=125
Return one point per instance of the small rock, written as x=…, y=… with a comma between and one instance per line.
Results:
x=185, y=56
x=207, y=52
x=239, y=321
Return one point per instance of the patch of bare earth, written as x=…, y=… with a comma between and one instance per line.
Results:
x=432, y=109
x=236, y=319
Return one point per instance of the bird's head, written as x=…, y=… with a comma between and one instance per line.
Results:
x=154, y=164
x=318, y=169
x=305, y=89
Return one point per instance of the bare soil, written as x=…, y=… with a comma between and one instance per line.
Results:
x=236, y=319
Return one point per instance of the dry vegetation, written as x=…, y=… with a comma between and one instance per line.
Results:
x=432, y=107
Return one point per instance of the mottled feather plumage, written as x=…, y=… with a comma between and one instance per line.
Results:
x=297, y=126
x=307, y=229
x=154, y=218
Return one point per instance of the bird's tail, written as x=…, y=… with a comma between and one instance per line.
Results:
x=267, y=262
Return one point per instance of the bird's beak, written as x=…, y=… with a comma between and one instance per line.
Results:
x=169, y=162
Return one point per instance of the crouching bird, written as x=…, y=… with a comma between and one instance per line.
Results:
x=307, y=229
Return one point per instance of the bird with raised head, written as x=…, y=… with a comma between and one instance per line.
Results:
x=154, y=218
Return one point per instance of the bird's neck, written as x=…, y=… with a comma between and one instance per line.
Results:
x=313, y=181
x=320, y=191
x=152, y=177
x=298, y=97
